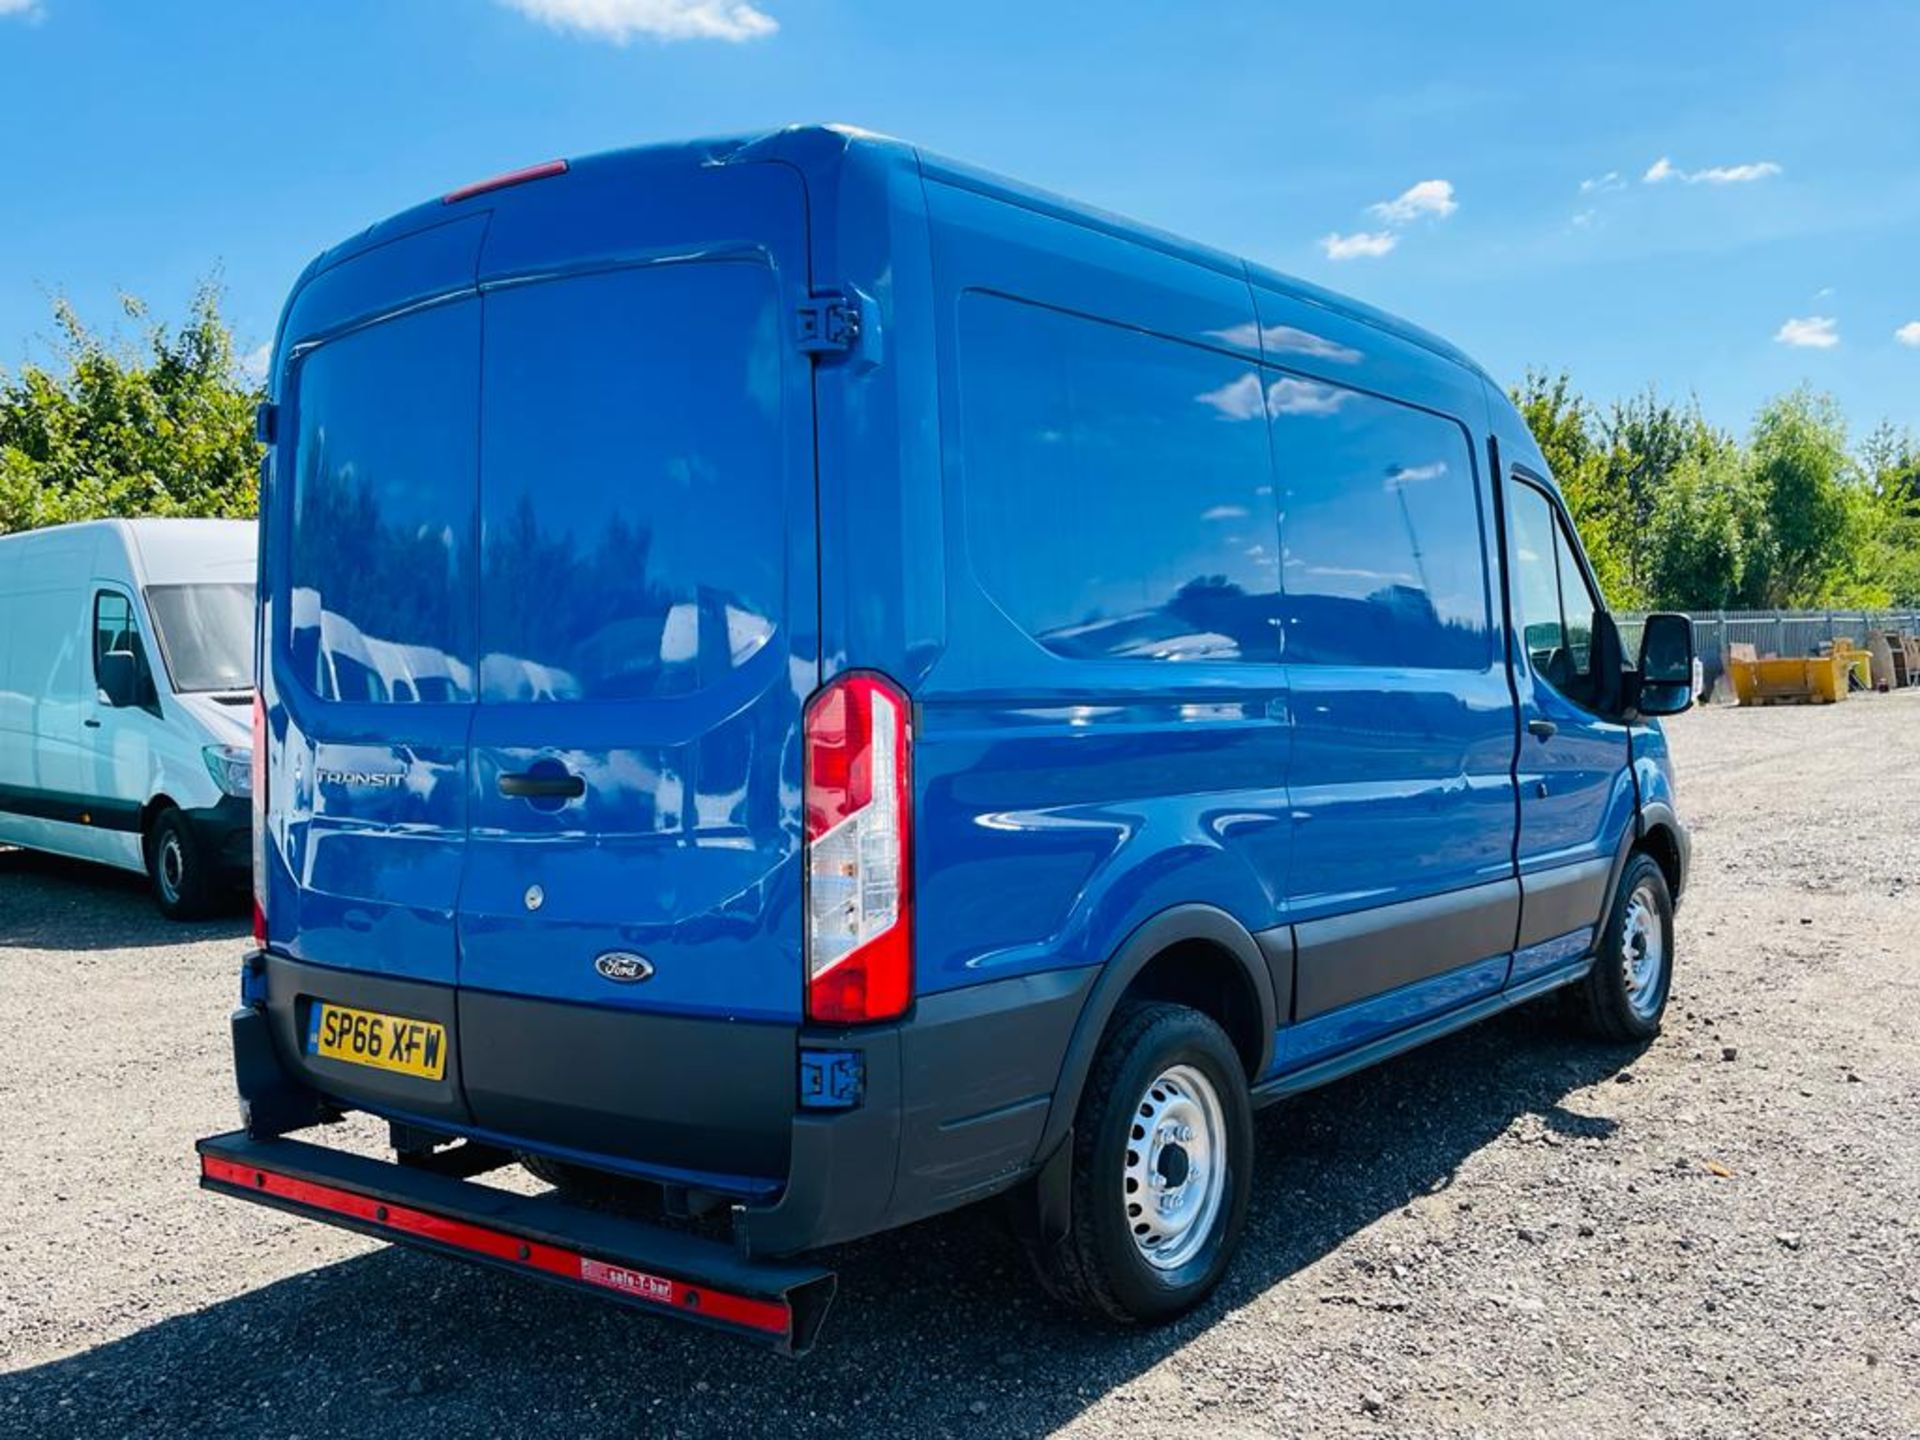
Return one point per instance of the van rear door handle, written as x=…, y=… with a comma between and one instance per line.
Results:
x=533, y=786
x=1545, y=729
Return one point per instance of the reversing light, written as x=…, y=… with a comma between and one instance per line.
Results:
x=859, y=910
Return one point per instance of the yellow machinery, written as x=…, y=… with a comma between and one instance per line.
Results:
x=1818, y=680
x=1860, y=662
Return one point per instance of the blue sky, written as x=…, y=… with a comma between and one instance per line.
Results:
x=1750, y=216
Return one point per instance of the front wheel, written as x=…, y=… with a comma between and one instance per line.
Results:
x=1162, y=1166
x=1625, y=994
x=178, y=869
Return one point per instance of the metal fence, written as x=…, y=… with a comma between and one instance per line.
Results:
x=1775, y=632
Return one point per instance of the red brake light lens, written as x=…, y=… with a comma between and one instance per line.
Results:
x=259, y=820
x=859, y=911
x=500, y=182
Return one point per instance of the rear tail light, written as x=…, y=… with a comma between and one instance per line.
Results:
x=259, y=820
x=859, y=910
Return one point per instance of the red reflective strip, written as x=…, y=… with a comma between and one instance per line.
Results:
x=500, y=182
x=770, y=1316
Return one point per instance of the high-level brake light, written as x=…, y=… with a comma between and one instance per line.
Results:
x=859, y=909
x=500, y=182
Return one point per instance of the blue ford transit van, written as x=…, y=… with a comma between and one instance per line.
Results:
x=808, y=686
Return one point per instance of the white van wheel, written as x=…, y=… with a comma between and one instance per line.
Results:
x=176, y=868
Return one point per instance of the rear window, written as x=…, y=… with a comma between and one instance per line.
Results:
x=1150, y=454
x=633, y=522
x=381, y=602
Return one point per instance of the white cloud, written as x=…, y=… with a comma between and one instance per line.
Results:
x=1603, y=183
x=621, y=20
x=1909, y=333
x=1734, y=174
x=1287, y=340
x=1429, y=197
x=1225, y=512
x=24, y=9
x=255, y=363
x=1663, y=170
x=1304, y=397
x=1812, y=332
x=1370, y=243
x=1585, y=218
x=1237, y=399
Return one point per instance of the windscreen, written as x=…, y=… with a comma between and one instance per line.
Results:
x=206, y=634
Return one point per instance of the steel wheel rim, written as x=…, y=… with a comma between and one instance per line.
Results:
x=1643, y=952
x=172, y=867
x=1174, y=1177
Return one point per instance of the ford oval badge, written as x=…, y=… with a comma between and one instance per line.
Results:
x=623, y=967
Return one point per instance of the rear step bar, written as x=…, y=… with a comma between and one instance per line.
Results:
x=610, y=1256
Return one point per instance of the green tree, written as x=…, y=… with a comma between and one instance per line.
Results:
x=1706, y=520
x=161, y=427
x=1889, y=460
x=1564, y=426
x=1647, y=440
x=1805, y=479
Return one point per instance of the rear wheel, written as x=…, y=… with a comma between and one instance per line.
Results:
x=1161, y=1169
x=178, y=869
x=583, y=1184
x=1625, y=994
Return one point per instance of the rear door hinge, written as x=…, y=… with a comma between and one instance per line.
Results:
x=266, y=422
x=829, y=324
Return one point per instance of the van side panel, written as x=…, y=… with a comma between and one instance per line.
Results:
x=1070, y=786
x=1403, y=719
x=1577, y=798
x=45, y=661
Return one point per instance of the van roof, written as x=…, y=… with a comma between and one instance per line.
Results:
x=815, y=149
x=170, y=551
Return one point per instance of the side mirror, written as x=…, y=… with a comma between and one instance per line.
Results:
x=1666, y=665
x=119, y=676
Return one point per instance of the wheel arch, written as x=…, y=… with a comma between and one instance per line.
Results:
x=150, y=814
x=1196, y=955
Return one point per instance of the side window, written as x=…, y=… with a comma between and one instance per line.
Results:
x=1577, y=604
x=1118, y=488
x=1556, y=605
x=1536, y=582
x=1383, y=559
x=114, y=627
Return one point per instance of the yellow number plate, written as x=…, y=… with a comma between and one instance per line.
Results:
x=386, y=1042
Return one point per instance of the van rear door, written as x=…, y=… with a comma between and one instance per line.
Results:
x=630, y=915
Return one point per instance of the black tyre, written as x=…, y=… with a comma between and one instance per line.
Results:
x=179, y=869
x=583, y=1184
x=1625, y=994
x=1162, y=1162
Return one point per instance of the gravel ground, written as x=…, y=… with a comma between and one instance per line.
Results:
x=1510, y=1232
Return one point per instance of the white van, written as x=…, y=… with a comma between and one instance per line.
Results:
x=126, y=694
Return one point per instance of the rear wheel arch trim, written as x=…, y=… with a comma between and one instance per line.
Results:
x=1181, y=924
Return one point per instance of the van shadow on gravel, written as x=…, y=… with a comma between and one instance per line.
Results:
x=48, y=902
x=937, y=1328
